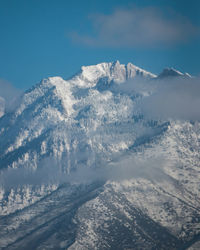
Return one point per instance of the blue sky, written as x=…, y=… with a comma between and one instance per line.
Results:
x=42, y=38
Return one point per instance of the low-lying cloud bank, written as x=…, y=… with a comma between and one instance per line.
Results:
x=174, y=99
x=167, y=98
x=125, y=168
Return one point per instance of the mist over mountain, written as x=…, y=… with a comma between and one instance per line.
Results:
x=107, y=159
x=2, y=106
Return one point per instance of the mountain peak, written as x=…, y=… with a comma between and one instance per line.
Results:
x=51, y=81
x=116, y=63
x=113, y=71
x=171, y=72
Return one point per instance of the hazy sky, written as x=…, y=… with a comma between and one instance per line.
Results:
x=41, y=38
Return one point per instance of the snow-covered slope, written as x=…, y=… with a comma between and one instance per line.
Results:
x=83, y=168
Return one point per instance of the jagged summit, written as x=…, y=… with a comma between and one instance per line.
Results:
x=113, y=71
x=171, y=72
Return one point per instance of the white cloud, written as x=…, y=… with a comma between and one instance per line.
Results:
x=176, y=99
x=9, y=93
x=137, y=27
x=165, y=98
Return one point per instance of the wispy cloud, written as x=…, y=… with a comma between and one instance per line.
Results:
x=176, y=99
x=165, y=98
x=138, y=27
x=9, y=93
x=125, y=168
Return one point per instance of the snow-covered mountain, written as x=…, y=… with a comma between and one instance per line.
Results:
x=83, y=168
x=53, y=114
